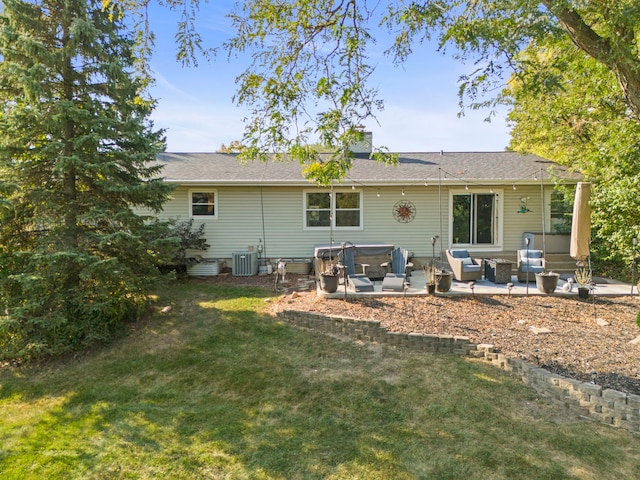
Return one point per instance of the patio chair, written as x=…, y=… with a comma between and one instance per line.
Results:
x=401, y=269
x=399, y=263
x=533, y=263
x=360, y=282
x=464, y=267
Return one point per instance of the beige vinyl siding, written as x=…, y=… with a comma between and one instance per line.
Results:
x=177, y=207
x=284, y=235
x=515, y=224
x=289, y=238
x=276, y=216
x=415, y=236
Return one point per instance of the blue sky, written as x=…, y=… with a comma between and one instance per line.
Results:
x=421, y=104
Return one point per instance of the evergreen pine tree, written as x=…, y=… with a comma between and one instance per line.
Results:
x=77, y=153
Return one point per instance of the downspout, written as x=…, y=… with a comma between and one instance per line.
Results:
x=440, y=208
x=264, y=235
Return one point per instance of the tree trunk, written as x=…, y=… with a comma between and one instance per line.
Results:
x=69, y=174
x=620, y=60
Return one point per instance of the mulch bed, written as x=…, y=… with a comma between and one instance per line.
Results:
x=589, y=341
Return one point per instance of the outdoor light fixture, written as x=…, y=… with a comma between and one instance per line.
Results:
x=527, y=241
x=343, y=265
x=634, y=242
x=433, y=249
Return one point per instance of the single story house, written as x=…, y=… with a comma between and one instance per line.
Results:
x=485, y=202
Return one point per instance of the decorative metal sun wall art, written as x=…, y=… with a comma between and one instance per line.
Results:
x=404, y=211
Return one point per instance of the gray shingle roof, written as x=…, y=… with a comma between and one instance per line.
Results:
x=412, y=168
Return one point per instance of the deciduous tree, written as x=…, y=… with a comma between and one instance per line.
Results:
x=310, y=66
x=568, y=108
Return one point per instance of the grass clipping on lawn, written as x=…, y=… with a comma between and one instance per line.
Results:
x=217, y=388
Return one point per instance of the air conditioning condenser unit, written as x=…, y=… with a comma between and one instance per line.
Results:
x=244, y=264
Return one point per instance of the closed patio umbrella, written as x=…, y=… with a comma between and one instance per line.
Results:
x=581, y=223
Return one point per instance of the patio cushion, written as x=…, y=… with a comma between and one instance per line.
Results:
x=361, y=283
x=531, y=268
x=532, y=254
x=459, y=253
x=393, y=282
x=467, y=261
x=471, y=268
x=532, y=262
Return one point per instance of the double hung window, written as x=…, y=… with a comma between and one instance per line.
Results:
x=203, y=203
x=338, y=209
x=561, y=212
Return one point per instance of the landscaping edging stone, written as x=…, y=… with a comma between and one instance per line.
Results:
x=606, y=406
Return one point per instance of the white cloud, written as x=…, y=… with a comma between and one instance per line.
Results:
x=165, y=88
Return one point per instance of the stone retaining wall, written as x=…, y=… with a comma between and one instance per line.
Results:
x=595, y=402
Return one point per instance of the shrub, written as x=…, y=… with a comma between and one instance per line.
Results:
x=181, y=237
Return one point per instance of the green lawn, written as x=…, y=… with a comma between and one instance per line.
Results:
x=216, y=389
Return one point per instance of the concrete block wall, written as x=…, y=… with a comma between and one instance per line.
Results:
x=606, y=406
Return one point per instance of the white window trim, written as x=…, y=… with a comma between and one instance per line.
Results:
x=216, y=204
x=547, y=208
x=498, y=225
x=332, y=210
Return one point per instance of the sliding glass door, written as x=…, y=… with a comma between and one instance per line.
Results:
x=474, y=217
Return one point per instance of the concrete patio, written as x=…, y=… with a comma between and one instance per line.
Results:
x=603, y=287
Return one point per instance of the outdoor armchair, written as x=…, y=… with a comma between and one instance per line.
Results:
x=531, y=264
x=360, y=283
x=398, y=279
x=399, y=263
x=463, y=266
